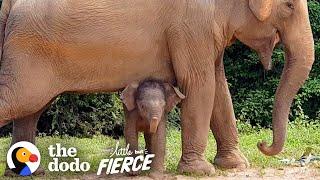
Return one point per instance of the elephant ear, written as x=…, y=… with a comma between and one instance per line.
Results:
x=128, y=96
x=173, y=96
x=261, y=8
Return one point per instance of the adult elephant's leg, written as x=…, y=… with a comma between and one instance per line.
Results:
x=24, y=129
x=196, y=113
x=223, y=125
x=193, y=63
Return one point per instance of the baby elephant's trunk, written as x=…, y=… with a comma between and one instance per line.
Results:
x=154, y=124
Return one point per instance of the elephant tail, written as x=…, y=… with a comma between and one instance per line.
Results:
x=4, y=14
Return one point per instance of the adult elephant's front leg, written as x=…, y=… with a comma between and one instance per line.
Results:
x=223, y=125
x=24, y=129
x=193, y=63
x=196, y=114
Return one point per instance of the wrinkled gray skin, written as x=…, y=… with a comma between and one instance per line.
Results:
x=146, y=107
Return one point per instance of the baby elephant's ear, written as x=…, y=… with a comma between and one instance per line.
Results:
x=128, y=96
x=173, y=95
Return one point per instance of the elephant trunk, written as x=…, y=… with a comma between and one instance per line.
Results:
x=299, y=49
x=154, y=120
x=154, y=125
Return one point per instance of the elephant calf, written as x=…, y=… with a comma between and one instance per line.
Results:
x=146, y=106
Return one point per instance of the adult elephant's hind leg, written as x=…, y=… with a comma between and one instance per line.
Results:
x=26, y=87
x=223, y=125
x=24, y=129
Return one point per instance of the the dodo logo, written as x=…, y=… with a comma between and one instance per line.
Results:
x=23, y=158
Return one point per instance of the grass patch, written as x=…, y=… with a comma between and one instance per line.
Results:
x=94, y=149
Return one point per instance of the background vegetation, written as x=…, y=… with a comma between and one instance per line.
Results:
x=252, y=91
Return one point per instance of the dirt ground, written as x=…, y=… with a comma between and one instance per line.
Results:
x=268, y=173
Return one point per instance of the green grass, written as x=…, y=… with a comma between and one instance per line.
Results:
x=300, y=137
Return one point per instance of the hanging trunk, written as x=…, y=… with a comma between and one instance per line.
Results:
x=299, y=49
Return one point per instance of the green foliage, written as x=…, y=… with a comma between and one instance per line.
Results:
x=314, y=12
x=84, y=115
x=255, y=107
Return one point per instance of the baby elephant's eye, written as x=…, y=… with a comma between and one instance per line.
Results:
x=290, y=5
x=142, y=106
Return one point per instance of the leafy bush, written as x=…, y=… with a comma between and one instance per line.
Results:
x=314, y=12
x=84, y=115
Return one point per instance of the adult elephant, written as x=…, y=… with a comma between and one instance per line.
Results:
x=50, y=47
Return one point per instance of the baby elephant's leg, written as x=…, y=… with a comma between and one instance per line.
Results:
x=130, y=129
x=156, y=144
x=131, y=133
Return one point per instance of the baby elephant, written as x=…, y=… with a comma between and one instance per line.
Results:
x=146, y=107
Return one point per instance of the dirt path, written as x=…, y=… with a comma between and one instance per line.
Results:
x=269, y=173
